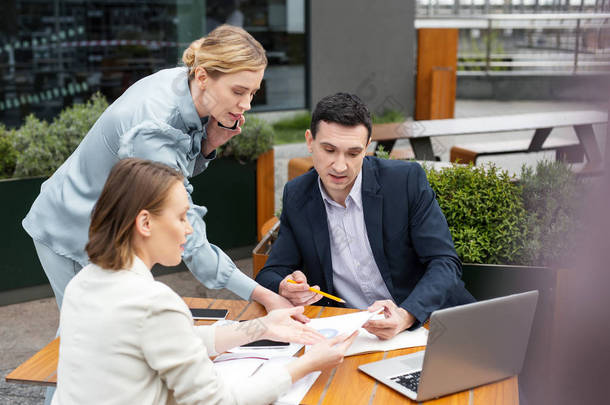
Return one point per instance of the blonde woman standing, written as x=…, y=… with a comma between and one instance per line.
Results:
x=171, y=117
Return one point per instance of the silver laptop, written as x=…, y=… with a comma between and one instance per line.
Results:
x=468, y=346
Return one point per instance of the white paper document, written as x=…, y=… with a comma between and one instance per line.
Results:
x=299, y=388
x=368, y=343
x=332, y=326
x=235, y=366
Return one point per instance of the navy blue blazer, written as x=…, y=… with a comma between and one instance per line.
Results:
x=406, y=228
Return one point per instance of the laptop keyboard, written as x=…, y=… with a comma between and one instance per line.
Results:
x=410, y=381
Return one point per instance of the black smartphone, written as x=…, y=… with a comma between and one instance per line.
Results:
x=209, y=313
x=265, y=343
x=231, y=128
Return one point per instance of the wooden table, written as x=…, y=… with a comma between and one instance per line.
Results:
x=419, y=133
x=342, y=385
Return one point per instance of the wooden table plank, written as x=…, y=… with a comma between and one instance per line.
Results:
x=40, y=369
x=503, y=392
x=253, y=310
x=235, y=307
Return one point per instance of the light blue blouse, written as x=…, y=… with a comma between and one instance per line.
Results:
x=154, y=119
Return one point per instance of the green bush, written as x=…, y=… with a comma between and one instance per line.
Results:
x=551, y=196
x=388, y=116
x=8, y=154
x=485, y=212
x=292, y=129
x=255, y=139
x=298, y=121
x=43, y=147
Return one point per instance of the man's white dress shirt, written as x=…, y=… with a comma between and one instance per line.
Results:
x=356, y=277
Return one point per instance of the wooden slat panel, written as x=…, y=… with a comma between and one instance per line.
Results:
x=442, y=93
x=265, y=186
x=435, y=48
x=40, y=369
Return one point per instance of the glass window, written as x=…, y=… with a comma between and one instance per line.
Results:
x=55, y=53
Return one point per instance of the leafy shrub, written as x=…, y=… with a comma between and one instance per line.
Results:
x=388, y=116
x=551, y=197
x=485, y=212
x=255, y=139
x=300, y=121
x=292, y=129
x=8, y=154
x=381, y=153
x=43, y=147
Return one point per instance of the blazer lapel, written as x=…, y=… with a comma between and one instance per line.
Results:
x=319, y=228
x=372, y=206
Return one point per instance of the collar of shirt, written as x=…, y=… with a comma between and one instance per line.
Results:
x=354, y=195
x=138, y=267
x=194, y=124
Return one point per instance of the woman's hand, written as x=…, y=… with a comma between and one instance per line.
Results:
x=218, y=136
x=326, y=354
x=271, y=301
x=281, y=327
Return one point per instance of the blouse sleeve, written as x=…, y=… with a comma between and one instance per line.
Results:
x=160, y=142
x=172, y=347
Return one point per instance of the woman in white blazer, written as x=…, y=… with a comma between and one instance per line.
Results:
x=128, y=339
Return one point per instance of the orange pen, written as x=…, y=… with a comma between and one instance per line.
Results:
x=332, y=297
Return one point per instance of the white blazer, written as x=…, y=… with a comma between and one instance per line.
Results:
x=128, y=339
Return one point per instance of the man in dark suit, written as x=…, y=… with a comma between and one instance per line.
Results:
x=366, y=229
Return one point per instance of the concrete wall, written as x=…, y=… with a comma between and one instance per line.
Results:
x=363, y=47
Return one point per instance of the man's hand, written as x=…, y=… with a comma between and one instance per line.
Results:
x=396, y=320
x=298, y=294
x=218, y=136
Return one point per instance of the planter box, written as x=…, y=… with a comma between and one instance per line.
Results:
x=19, y=266
x=227, y=188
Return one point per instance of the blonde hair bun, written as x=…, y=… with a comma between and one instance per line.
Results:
x=188, y=56
x=226, y=49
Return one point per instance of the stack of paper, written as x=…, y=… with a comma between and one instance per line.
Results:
x=235, y=366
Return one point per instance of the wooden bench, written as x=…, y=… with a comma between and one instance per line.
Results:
x=566, y=150
x=419, y=134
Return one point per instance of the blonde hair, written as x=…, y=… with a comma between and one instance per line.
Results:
x=226, y=49
x=133, y=185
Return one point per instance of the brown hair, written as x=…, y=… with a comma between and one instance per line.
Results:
x=226, y=49
x=133, y=185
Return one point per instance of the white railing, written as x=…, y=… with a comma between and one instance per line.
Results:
x=576, y=43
